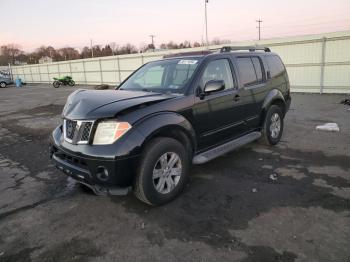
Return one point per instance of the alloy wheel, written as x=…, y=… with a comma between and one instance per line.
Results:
x=275, y=126
x=167, y=172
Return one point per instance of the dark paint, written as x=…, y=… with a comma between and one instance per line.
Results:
x=206, y=120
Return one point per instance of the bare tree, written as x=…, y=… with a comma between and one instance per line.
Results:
x=218, y=41
x=114, y=47
x=10, y=52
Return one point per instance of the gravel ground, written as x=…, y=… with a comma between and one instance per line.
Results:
x=231, y=210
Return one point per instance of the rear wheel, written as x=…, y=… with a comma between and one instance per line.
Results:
x=56, y=84
x=2, y=84
x=71, y=83
x=163, y=171
x=273, y=125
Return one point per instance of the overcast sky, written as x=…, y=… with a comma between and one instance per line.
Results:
x=31, y=23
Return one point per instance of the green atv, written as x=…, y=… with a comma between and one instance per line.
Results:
x=65, y=80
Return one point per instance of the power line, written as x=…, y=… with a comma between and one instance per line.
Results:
x=246, y=30
x=259, y=27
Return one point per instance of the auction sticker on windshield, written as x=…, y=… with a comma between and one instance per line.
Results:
x=187, y=62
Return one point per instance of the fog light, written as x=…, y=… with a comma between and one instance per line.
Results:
x=102, y=173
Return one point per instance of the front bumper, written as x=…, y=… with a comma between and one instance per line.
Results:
x=105, y=176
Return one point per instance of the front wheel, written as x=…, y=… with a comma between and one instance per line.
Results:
x=71, y=83
x=56, y=84
x=163, y=171
x=273, y=125
x=2, y=84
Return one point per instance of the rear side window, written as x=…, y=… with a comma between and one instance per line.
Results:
x=258, y=69
x=247, y=71
x=275, y=65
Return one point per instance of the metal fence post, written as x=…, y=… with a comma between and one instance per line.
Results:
x=120, y=77
x=58, y=68
x=31, y=73
x=70, y=67
x=10, y=70
x=99, y=61
x=323, y=63
x=24, y=74
x=48, y=73
x=39, y=73
x=84, y=72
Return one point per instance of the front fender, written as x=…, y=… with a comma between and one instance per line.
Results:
x=154, y=123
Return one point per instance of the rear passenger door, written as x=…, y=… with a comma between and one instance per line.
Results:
x=251, y=90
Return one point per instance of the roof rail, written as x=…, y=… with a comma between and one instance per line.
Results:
x=191, y=53
x=238, y=48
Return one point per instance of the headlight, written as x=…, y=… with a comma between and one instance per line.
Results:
x=107, y=132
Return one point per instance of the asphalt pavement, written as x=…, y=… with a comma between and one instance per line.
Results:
x=290, y=202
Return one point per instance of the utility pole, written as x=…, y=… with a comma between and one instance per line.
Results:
x=92, y=50
x=152, y=40
x=259, y=27
x=206, y=23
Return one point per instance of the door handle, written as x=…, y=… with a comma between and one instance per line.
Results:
x=236, y=98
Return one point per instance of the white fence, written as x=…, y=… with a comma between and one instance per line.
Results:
x=315, y=63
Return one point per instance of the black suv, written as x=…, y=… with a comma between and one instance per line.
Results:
x=168, y=114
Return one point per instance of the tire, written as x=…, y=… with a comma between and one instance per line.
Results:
x=71, y=83
x=3, y=85
x=271, y=130
x=148, y=186
x=56, y=84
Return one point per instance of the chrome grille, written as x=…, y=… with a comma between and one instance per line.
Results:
x=70, y=128
x=85, y=131
x=76, y=131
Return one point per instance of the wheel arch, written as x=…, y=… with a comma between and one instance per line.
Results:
x=168, y=124
x=274, y=97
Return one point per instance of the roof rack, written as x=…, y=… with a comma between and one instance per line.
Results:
x=225, y=49
x=191, y=53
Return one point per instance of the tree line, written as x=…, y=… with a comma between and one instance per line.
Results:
x=13, y=54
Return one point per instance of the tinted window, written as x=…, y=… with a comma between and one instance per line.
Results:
x=258, y=69
x=153, y=77
x=162, y=76
x=218, y=70
x=246, y=71
x=275, y=64
x=182, y=73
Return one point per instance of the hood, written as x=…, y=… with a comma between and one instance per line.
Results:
x=93, y=104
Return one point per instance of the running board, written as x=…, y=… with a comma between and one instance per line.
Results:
x=225, y=148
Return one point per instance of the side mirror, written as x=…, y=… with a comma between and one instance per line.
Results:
x=214, y=86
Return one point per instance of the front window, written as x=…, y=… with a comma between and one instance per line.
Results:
x=218, y=70
x=166, y=76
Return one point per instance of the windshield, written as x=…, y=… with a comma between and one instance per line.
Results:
x=166, y=76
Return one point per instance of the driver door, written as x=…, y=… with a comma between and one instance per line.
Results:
x=216, y=115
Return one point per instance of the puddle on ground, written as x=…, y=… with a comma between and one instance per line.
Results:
x=343, y=192
x=303, y=231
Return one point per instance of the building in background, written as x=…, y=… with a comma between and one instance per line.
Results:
x=45, y=60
